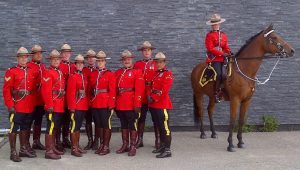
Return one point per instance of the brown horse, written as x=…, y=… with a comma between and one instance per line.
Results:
x=240, y=86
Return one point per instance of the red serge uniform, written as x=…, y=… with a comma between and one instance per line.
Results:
x=216, y=43
x=39, y=68
x=130, y=88
x=87, y=71
x=148, y=68
x=77, y=91
x=160, y=88
x=67, y=68
x=53, y=90
x=18, y=89
x=102, y=87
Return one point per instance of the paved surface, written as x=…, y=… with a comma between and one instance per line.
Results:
x=278, y=150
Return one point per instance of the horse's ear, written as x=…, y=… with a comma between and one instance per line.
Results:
x=269, y=28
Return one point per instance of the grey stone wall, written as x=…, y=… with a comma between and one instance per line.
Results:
x=175, y=27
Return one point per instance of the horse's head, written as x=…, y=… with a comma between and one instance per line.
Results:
x=274, y=44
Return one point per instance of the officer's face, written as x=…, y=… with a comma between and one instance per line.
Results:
x=79, y=65
x=216, y=27
x=91, y=61
x=160, y=64
x=101, y=63
x=38, y=56
x=147, y=53
x=127, y=62
x=22, y=60
x=66, y=55
x=55, y=62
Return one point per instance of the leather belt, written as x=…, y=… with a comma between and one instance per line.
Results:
x=60, y=93
x=80, y=94
x=122, y=90
x=155, y=91
x=148, y=83
x=96, y=92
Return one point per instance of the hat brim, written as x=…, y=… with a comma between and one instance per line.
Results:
x=89, y=56
x=155, y=59
x=32, y=52
x=142, y=48
x=66, y=50
x=214, y=23
x=53, y=57
x=126, y=57
x=23, y=54
x=106, y=58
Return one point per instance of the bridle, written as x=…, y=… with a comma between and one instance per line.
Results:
x=281, y=53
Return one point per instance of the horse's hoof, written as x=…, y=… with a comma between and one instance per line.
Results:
x=230, y=149
x=203, y=136
x=215, y=136
x=241, y=145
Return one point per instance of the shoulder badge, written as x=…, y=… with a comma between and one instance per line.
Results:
x=7, y=78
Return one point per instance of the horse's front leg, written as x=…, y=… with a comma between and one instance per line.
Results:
x=210, y=110
x=242, y=119
x=199, y=102
x=234, y=104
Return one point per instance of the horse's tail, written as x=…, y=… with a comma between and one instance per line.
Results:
x=196, y=116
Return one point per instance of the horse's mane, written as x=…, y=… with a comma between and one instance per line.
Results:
x=247, y=43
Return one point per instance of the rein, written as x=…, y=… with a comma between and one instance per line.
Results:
x=279, y=55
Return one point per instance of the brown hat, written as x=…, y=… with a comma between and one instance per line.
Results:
x=126, y=54
x=215, y=19
x=66, y=47
x=146, y=44
x=36, y=48
x=90, y=53
x=160, y=56
x=101, y=54
x=54, y=54
x=22, y=51
x=79, y=57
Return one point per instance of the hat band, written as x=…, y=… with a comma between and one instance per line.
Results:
x=214, y=21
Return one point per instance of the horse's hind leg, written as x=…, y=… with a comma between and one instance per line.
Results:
x=199, y=102
x=243, y=110
x=210, y=110
x=234, y=103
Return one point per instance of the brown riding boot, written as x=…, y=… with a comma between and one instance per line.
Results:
x=56, y=151
x=107, y=135
x=74, y=149
x=157, y=137
x=132, y=149
x=99, y=133
x=139, y=142
x=24, y=152
x=58, y=143
x=36, y=138
x=28, y=146
x=89, y=133
x=217, y=93
x=66, y=143
x=125, y=139
x=79, y=148
x=13, y=152
x=50, y=154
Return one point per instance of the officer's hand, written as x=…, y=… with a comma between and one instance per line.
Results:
x=226, y=55
x=12, y=110
x=137, y=110
x=150, y=100
x=50, y=110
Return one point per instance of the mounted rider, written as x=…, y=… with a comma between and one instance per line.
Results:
x=216, y=43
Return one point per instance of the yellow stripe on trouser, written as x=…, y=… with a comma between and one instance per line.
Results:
x=109, y=119
x=52, y=124
x=73, y=123
x=136, y=120
x=11, y=122
x=166, y=122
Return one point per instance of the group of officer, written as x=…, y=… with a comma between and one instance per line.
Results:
x=67, y=93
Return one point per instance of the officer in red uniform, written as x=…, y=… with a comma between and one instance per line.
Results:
x=160, y=103
x=53, y=93
x=102, y=87
x=37, y=65
x=67, y=68
x=18, y=89
x=87, y=70
x=130, y=88
x=216, y=43
x=77, y=97
x=148, y=68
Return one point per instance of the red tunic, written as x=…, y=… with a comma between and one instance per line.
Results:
x=148, y=69
x=130, y=88
x=39, y=68
x=216, y=43
x=77, y=91
x=102, y=89
x=18, y=89
x=160, y=88
x=67, y=68
x=87, y=71
x=53, y=89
